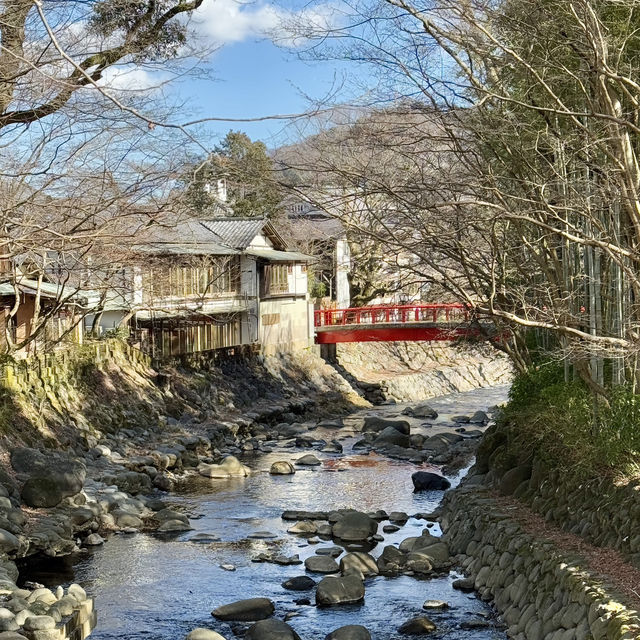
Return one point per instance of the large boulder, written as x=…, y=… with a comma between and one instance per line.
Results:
x=271, y=629
x=230, y=467
x=421, y=411
x=391, y=436
x=365, y=563
x=417, y=626
x=375, y=424
x=133, y=482
x=354, y=527
x=513, y=478
x=282, y=468
x=50, y=477
x=350, y=632
x=321, y=564
x=249, y=610
x=427, y=481
x=344, y=590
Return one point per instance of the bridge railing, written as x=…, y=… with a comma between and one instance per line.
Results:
x=398, y=314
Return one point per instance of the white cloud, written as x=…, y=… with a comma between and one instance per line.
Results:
x=227, y=21
x=131, y=78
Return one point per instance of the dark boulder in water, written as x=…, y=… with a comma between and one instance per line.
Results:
x=427, y=481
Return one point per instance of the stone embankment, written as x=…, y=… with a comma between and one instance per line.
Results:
x=412, y=371
x=540, y=590
x=559, y=557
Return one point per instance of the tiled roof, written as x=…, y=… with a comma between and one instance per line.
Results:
x=235, y=232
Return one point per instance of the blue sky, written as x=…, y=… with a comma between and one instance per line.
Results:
x=254, y=76
x=257, y=78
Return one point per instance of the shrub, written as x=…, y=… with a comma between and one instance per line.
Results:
x=563, y=426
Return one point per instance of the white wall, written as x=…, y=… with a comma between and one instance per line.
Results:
x=109, y=320
x=288, y=326
x=342, y=267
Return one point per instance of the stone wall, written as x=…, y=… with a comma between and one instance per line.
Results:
x=541, y=592
x=410, y=371
x=75, y=397
x=603, y=512
x=54, y=368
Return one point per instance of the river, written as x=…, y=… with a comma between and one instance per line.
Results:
x=159, y=588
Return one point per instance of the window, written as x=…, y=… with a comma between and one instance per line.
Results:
x=211, y=278
x=276, y=279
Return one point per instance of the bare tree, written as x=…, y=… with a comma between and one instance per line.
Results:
x=509, y=167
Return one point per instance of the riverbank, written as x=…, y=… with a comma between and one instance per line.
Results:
x=546, y=521
x=413, y=371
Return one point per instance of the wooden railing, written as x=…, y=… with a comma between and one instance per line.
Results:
x=398, y=314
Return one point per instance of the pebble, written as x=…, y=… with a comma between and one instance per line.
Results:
x=228, y=567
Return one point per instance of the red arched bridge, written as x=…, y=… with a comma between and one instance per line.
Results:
x=416, y=322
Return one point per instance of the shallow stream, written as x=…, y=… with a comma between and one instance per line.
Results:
x=159, y=588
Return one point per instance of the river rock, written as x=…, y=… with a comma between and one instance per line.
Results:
x=299, y=583
x=463, y=584
x=437, y=605
x=321, y=564
x=391, y=436
x=339, y=590
x=8, y=542
x=391, y=561
x=513, y=478
x=398, y=516
x=350, y=632
x=51, y=476
x=203, y=634
x=437, y=553
x=173, y=526
x=334, y=551
x=421, y=411
x=427, y=481
x=305, y=527
x=39, y=623
x=361, y=561
x=418, y=542
x=354, y=526
x=479, y=417
x=271, y=630
x=417, y=626
x=230, y=467
x=376, y=424
x=248, y=610
x=308, y=461
x=390, y=528
x=282, y=468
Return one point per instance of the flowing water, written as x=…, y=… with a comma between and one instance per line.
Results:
x=159, y=588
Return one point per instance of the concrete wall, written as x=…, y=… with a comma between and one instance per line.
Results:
x=284, y=324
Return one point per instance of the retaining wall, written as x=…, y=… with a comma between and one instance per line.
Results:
x=410, y=371
x=541, y=592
